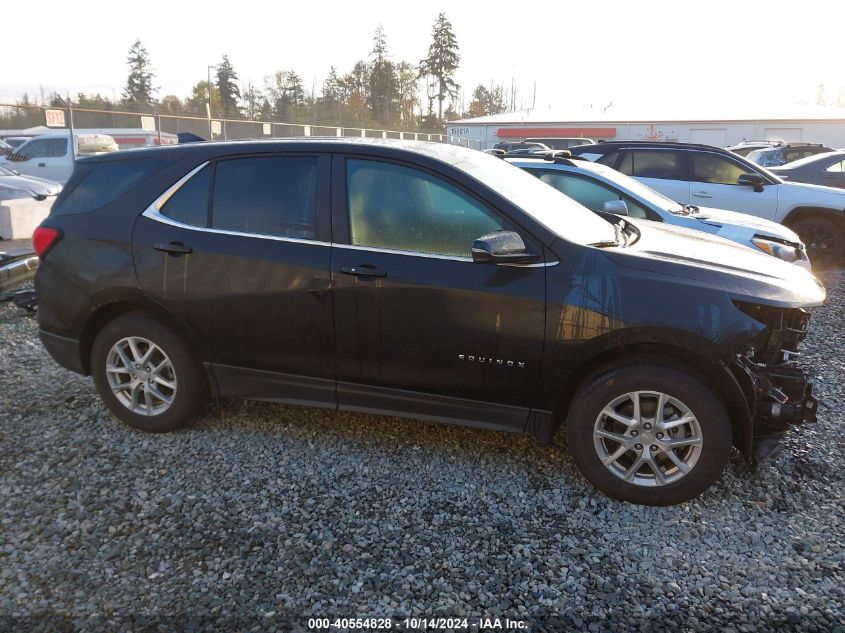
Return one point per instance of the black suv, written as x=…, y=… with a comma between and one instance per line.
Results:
x=421, y=280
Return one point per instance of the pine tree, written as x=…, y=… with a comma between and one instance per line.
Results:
x=442, y=61
x=227, y=87
x=139, y=88
x=382, y=81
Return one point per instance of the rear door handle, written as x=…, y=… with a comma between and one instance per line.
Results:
x=364, y=270
x=174, y=248
x=702, y=194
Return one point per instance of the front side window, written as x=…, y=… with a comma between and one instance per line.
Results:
x=837, y=167
x=591, y=194
x=44, y=148
x=401, y=208
x=714, y=169
x=266, y=195
x=665, y=165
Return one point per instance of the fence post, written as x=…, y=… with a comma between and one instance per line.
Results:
x=363, y=132
x=223, y=121
x=340, y=131
x=158, y=125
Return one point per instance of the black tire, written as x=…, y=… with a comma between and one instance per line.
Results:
x=191, y=391
x=822, y=237
x=685, y=386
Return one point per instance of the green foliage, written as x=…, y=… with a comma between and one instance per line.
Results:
x=487, y=101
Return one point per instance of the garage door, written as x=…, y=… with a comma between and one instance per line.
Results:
x=785, y=134
x=717, y=138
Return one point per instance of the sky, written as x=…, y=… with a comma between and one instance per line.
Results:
x=558, y=54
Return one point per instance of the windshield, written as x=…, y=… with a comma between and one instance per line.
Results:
x=557, y=212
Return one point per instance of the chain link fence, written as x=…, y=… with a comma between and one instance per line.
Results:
x=134, y=129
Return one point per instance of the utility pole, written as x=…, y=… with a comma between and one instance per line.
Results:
x=208, y=103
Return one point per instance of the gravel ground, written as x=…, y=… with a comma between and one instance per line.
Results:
x=261, y=516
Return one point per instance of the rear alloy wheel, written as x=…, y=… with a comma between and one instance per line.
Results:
x=147, y=374
x=649, y=433
x=822, y=237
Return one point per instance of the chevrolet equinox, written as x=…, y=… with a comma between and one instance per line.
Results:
x=425, y=281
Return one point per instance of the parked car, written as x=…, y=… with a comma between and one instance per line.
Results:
x=602, y=189
x=14, y=185
x=743, y=148
x=51, y=157
x=782, y=154
x=826, y=169
x=5, y=148
x=422, y=280
x=521, y=146
x=700, y=174
x=561, y=142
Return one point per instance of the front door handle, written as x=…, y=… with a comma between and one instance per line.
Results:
x=174, y=248
x=364, y=270
x=702, y=194
x=42, y=164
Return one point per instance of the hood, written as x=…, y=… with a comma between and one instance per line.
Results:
x=31, y=185
x=710, y=261
x=761, y=226
x=812, y=195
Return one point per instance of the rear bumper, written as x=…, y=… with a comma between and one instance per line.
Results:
x=65, y=351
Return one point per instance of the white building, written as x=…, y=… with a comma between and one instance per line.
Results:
x=668, y=122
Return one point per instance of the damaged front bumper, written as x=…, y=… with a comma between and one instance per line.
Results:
x=776, y=386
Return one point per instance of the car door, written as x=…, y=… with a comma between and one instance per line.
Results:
x=419, y=326
x=834, y=175
x=45, y=157
x=241, y=253
x=665, y=170
x=714, y=183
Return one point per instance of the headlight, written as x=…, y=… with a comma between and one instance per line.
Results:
x=777, y=249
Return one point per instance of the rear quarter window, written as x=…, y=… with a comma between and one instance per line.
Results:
x=99, y=184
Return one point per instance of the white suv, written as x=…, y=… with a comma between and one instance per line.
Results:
x=713, y=177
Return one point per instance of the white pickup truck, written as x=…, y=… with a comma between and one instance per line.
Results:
x=50, y=156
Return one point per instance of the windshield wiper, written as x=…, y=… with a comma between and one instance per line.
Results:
x=686, y=209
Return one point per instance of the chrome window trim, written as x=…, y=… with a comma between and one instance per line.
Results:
x=153, y=212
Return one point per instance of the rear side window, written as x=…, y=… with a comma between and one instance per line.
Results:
x=189, y=205
x=104, y=183
x=666, y=165
x=266, y=195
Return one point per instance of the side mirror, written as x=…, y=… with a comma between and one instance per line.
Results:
x=501, y=247
x=752, y=180
x=617, y=207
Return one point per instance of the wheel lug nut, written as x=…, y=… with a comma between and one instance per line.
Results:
x=654, y=447
x=639, y=447
x=647, y=426
x=660, y=436
x=634, y=434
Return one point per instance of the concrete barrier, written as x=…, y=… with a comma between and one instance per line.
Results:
x=19, y=217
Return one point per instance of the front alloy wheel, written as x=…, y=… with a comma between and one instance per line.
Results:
x=649, y=431
x=647, y=438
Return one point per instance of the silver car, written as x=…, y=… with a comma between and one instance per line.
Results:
x=603, y=189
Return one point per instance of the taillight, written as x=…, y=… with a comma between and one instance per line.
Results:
x=44, y=238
